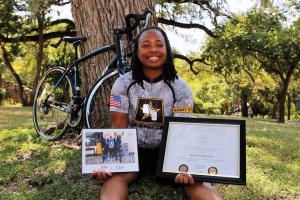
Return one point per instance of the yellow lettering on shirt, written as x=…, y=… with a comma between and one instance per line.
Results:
x=182, y=109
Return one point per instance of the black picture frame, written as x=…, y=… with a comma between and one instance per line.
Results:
x=204, y=130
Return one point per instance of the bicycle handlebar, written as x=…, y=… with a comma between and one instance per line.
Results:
x=137, y=18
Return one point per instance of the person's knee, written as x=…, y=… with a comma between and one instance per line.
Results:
x=116, y=187
x=117, y=179
x=202, y=191
x=123, y=178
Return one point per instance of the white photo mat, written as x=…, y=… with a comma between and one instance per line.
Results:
x=113, y=150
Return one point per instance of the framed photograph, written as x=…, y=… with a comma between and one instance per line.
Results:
x=211, y=150
x=114, y=150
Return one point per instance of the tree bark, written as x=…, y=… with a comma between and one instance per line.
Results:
x=39, y=57
x=284, y=92
x=96, y=20
x=244, y=101
x=289, y=106
x=282, y=99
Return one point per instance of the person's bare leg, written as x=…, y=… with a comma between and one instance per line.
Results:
x=116, y=187
x=202, y=191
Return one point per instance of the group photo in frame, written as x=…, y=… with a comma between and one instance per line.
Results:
x=211, y=150
x=113, y=150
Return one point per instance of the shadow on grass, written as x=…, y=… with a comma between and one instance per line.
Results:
x=32, y=168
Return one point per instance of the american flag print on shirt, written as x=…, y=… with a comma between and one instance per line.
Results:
x=115, y=101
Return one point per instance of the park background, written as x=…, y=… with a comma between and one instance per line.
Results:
x=250, y=70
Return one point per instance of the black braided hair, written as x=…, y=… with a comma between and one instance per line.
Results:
x=169, y=73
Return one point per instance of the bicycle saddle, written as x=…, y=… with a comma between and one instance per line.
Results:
x=73, y=39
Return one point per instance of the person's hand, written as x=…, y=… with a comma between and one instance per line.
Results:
x=184, y=178
x=101, y=175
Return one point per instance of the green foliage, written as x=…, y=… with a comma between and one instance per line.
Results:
x=39, y=7
x=25, y=65
x=209, y=89
x=258, y=46
x=21, y=23
x=11, y=24
x=263, y=36
x=59, y=56
x=10, y=21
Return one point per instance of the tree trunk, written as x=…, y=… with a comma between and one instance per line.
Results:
x=39, y=57
x=21, y=91
x=96, y=20
x=244, y=103
x=282, y=99
x=284, y=92
x=289, y=106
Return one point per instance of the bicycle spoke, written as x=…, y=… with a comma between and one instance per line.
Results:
x=97, y=114
x=50, y=115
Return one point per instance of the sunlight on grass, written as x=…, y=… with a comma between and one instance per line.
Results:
x=271, y=148
x=33, y=168
x=15, y=117
x=58, y=167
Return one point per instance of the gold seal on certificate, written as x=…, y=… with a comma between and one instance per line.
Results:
x=183, y=168
x=212, y=170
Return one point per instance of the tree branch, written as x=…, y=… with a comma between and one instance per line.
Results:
x=62, y=2
x=70, y=24
x=190, y=62
x=273, y=69
x=201, y=3
x=182, y=25
x=247, y=71
x=35, y=38
x=61, y=21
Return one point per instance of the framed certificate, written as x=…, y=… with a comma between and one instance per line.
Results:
x=211, y=150
x=113, y=150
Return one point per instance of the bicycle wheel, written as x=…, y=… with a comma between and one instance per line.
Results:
x=96, y=109
x=50, y=117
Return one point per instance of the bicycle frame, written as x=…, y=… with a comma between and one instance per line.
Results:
x=76, y=87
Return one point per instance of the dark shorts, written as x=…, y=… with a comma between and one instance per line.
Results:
x=148, y=159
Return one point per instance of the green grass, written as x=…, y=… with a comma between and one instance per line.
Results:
x=273, y=162
x=14, y=117
x=32, y=168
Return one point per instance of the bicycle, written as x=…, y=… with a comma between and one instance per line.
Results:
x=58, y=103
